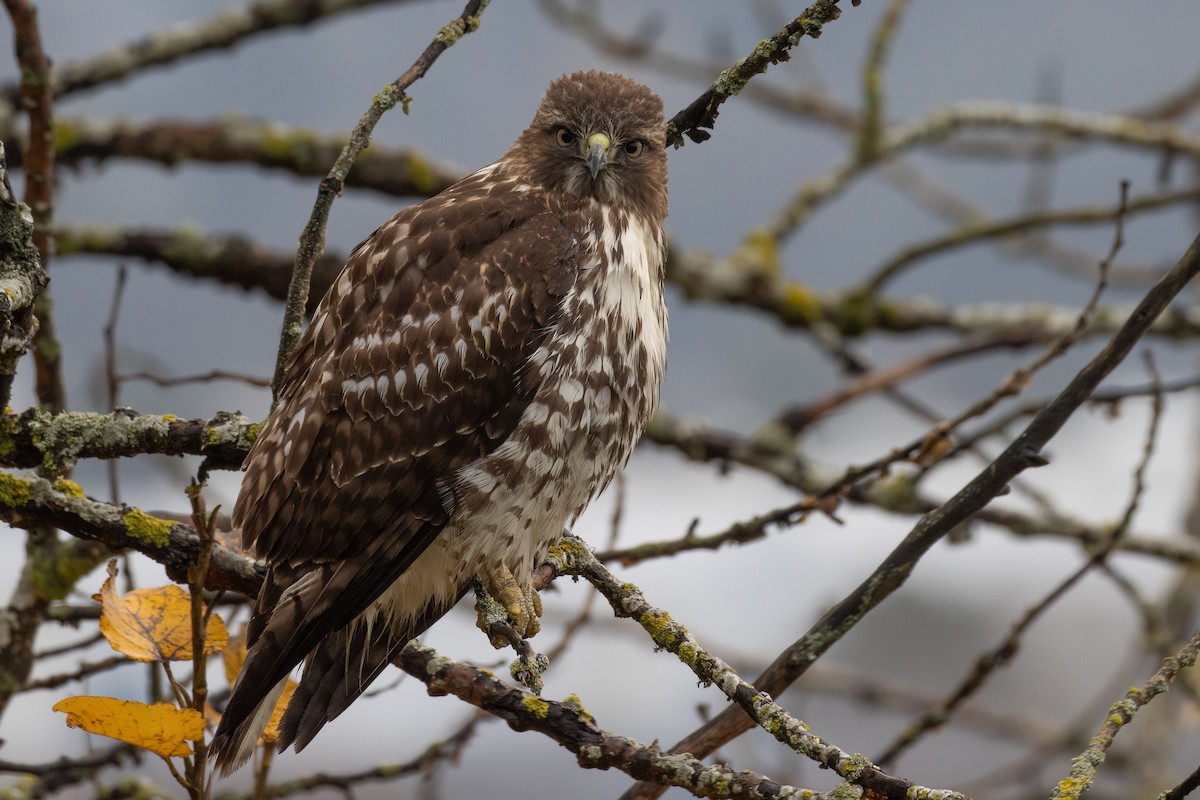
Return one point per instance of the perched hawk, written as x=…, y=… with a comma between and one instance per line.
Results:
x=478, y=372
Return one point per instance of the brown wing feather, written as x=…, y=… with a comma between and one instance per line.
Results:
x=410, y=361
x=411, y=368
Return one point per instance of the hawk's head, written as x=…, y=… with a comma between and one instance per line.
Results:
x=601, y=135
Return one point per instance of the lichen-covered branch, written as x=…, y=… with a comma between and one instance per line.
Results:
x=796, y=305
x=31, y=501
x=231, y=260
x=402, y=172
x=874, y=116
x=569, y=723
x=1085, y=765
x=239, y=261
x=572, y=557
x=36, y=438
x=37, y=101
x=21, y=281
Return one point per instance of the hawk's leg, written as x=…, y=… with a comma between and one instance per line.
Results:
x=519, y=601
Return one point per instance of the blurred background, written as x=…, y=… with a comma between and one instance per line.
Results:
x=732, y=368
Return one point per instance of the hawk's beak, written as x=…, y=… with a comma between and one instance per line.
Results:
x=597, y=153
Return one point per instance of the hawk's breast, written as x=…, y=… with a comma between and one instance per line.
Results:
x=598, y=375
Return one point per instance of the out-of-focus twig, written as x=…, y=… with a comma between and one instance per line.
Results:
x=171, y=44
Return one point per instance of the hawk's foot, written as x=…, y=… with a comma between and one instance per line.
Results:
x=502, y=594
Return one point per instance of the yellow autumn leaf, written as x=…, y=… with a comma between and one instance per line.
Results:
x=161, y=728
x=234, y=656
x=154, y=624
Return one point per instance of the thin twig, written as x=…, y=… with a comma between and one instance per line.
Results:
x=112, y=382
x=1085, y=765
x=701, y=113
x=85, y=670
x=202, y=522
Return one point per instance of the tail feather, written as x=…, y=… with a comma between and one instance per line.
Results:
x=233, y=748
x=339, y=670
x=344, y=665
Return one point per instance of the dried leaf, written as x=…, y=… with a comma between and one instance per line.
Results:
x=234, y=655
x=153, y=624
x=160, y=728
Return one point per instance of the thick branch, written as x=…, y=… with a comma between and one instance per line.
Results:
x=32, y=501
x=37, y=438
x=795, y=305
x=241, y=262
x=21, y=281
x=231, y=260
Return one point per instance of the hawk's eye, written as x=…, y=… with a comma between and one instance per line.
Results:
x=564, y=137
x=633, y=149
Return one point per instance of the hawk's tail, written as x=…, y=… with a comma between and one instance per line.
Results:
x=345, y=664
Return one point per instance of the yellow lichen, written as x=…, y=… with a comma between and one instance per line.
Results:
x=573, y=704
x=659, y=625
x=799, y=302
x=14, y=492
x=141, y=525
x=762, y=250
x=69, y=488
x=536, y=706
x=421, y=174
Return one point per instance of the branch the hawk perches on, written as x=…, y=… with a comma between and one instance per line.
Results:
x=479, y=371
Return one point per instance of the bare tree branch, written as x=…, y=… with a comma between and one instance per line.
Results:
x=402, y=172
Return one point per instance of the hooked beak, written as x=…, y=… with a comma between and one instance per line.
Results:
x=597, y=153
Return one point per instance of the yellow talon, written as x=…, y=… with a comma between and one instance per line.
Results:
x=522, y=604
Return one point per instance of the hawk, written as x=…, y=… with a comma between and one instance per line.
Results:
x=478, y=372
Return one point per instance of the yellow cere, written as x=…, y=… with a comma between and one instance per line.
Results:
x=599, y=139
